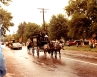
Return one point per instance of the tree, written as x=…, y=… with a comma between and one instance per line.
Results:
x=5, y=2
x=5, y=20
x=5, y=17
x=7, y=38
x=58, y=27
x=30, y=29
x=46, y=26
x=21, y=30
x=78, y=26
x=83, y=15
x=15, y=37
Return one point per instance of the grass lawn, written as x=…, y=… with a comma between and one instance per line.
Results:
x=81, y=48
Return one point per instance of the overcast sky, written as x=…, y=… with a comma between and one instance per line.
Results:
x=27, y=10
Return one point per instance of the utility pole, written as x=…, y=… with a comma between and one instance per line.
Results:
x=43, y=11
x=0, y=27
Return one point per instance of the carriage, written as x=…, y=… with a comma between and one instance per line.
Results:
x=38, y=43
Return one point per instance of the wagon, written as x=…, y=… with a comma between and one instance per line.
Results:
x=38, y=44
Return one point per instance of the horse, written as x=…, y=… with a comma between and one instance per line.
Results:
x=56, y=47
x=53, y=47
x=46, y=49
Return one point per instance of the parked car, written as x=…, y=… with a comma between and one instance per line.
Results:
x=78, y=41
x=86, y=42
x=16, y=46
x=73, y=42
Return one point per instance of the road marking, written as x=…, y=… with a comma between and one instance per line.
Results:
x=80, y=61
x=80, y=55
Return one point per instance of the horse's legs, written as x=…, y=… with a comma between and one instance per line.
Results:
x=49, y=52
x=33, y=51
x=38, y=52
x=55, y=53
x=28, y=49
x=59, y=54
x=45, y=51
x=52, y=53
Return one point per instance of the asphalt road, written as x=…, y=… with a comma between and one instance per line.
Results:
x=72, y=64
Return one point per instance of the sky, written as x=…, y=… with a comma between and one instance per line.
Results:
x=27, y=10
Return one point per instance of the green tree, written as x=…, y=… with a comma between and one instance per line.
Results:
x=7, y=38
x=5, y=2
x=5, y=20
x=46, y=26
x=21, y=30
x=30, y=29
x=83, y=15
x=5, y=17
x=15, y=37
x=58, y=27
x=78, y=26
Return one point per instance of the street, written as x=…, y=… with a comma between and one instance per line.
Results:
x=72, y=64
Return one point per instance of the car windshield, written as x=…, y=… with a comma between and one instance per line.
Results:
x=16, y=44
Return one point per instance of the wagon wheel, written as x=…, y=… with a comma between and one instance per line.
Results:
x=55, y=53
x=38, y=52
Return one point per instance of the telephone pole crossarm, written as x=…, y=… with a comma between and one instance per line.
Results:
x=43, y=10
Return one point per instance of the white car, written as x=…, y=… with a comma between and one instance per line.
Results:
x=16, y=46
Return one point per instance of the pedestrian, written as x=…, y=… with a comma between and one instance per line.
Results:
x=76, y=44
x=2, y=64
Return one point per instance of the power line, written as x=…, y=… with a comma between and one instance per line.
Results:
x=43, y=11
